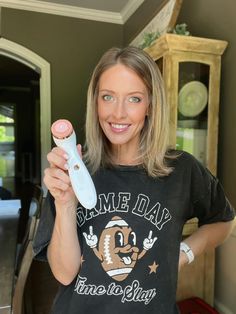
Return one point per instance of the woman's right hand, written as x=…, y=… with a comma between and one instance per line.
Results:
x=57, y=180
x=64, y=254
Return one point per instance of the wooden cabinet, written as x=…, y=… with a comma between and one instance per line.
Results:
x=191, y=72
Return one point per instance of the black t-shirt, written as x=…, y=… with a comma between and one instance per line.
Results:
x=130, y=241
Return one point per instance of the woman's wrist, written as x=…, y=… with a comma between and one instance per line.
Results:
x=183, y=260
x=65, y=208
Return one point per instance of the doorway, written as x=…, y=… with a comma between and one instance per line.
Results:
x=36, y=71
x=25, y=110
x=19, y=125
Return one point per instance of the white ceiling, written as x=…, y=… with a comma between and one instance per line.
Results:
x=111, y=11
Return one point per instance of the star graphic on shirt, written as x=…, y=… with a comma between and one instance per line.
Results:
x=153, y=267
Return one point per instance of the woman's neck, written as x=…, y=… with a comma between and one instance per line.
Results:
x=125, y=156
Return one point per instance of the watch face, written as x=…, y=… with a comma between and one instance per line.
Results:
x=192, y=99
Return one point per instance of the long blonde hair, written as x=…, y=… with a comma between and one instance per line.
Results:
x=154, y=136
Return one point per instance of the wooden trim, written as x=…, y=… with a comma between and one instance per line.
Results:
x=17, y=305
x=175, y=14
x=213, y=115
x=173, y=42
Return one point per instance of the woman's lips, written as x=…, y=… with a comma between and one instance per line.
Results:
x=118, y=128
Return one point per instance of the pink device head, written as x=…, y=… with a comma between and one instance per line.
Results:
x=61, y=128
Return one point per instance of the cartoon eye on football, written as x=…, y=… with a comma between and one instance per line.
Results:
x=116, y=248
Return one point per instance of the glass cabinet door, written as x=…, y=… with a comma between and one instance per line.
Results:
x=192, y=109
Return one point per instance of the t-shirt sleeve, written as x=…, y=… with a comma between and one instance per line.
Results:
x=45, y=228
x=209, y=202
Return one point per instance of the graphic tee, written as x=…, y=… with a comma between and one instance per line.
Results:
x=130, y=241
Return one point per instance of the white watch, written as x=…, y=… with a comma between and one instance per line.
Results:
x=187, y=250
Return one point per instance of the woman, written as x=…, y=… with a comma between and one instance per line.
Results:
x=123, y=255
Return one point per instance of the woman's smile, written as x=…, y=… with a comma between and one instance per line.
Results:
x=119, y=127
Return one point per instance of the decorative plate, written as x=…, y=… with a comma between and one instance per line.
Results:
x=193, y=98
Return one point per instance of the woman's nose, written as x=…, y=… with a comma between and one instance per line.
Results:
x=119, y=111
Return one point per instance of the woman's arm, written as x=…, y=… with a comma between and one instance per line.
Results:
x=64, y=249
x=206, y=237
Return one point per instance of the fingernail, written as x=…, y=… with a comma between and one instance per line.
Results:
x=66, y=156
x=66, y=166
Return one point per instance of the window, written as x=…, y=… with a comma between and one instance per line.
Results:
x=7, y=141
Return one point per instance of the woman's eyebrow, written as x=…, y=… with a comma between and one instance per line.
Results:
x=130, y=93
x=136, y=92
x=106, y=90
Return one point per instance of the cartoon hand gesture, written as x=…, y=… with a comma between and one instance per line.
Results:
x=91, y=239
x=148, y=242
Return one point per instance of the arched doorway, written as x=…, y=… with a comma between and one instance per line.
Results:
x=42, y=67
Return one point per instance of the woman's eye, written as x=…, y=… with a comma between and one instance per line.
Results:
x=107, y=97
x=134, y=99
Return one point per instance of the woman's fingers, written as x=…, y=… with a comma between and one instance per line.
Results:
x=58, y=158
x=53, y=175
x=58, y=188
x=56, y=178
x=79, y=147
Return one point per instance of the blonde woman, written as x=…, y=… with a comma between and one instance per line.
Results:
x=123, y=255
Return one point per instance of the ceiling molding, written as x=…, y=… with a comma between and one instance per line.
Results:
x=130, y=8
x=74, y=11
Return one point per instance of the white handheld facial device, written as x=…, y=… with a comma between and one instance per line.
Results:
x=81, y=181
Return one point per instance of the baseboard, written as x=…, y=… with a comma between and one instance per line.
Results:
x=221, y=308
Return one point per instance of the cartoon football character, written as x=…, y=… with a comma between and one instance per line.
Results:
x=116, y=248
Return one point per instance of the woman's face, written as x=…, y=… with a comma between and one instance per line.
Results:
x=122, y=106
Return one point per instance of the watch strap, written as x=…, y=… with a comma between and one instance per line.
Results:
x=184, y=247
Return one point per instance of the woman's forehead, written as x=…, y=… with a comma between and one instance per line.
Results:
x=120, y=74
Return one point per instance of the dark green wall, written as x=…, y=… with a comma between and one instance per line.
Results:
x=143, y=15
x=216, y=19
x=71, y=46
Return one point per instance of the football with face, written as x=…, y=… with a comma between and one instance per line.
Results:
x=117, y=246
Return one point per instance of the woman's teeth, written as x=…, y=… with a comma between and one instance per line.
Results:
x=119, y=126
